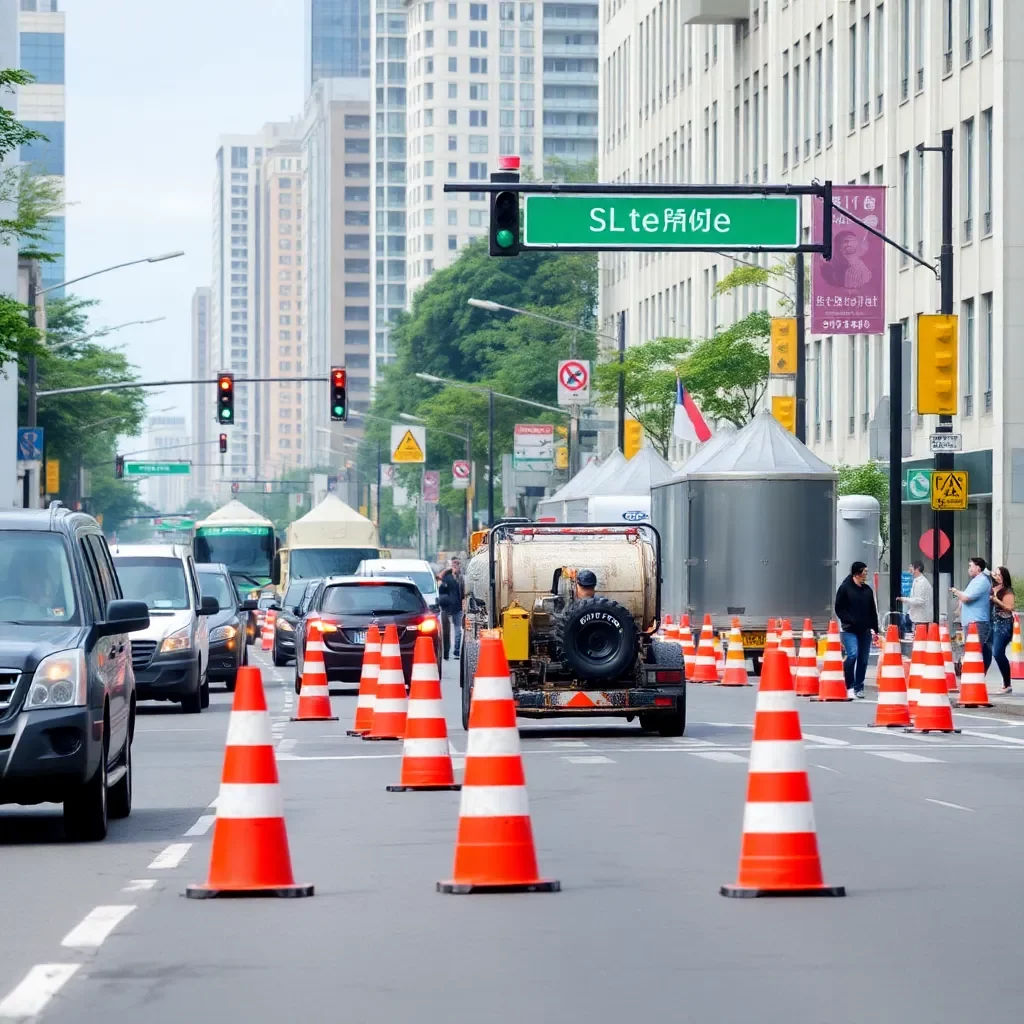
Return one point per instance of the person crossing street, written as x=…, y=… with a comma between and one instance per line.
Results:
x=451, y=591
x=858, y=621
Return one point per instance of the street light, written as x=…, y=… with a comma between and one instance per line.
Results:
x=102, y=333
x=498, y=307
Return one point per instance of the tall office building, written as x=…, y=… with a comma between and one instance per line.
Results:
x=848, y=91
x=203, y=403
x=337, y=40
x=41, y=108
x=489, y=79
x=166, y=439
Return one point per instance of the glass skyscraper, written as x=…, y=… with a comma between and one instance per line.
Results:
x=337, y=40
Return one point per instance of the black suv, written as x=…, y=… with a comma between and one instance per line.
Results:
x=67, y=688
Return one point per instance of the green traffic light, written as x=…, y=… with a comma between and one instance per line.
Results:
x=504, y=238
x=225, y=414
x=339, y=410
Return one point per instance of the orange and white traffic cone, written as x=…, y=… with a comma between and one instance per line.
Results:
x=250, y=842
x=735, y=673
x=269, y=628
x=779, y=851
x=669, y=629
x=934, y=713
x=494, y=849
x=787, y=643
x=947, y=658
x=314, y=694
x=1016, y=655
x=808, y=679
x=363, y=720
x=918, y=665
x=426, y=757
x=832, y=685
x=391, y=705
x=892, y=710
x=973, y=689
x=771, y=638
x=719, y=658
x=705, y=669
x=689, y=649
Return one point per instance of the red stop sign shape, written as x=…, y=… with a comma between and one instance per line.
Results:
x=927, y=544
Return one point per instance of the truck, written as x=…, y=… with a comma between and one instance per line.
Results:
x=571, y=656
x=241, y=539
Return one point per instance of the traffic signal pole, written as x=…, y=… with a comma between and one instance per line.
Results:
x=895, y=462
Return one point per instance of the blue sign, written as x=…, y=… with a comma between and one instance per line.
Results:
x=30, y=444
x=906, y=583
x=635, y=516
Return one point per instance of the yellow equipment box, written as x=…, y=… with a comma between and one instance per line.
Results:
x=515, y=630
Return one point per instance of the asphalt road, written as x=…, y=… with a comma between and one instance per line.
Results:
x=924, y=832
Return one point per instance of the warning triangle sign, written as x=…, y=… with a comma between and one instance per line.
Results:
x=408, y=450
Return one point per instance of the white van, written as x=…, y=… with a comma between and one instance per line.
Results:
x=415, y=569
x=171, y=658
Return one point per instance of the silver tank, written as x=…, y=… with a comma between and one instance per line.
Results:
x=749, y=531
x=858, y=536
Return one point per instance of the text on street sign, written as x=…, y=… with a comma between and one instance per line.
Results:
x=157, y=468
x=947, y=442
x=949, y=490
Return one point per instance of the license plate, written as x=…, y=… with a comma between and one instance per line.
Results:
x=754, y=640
x=358, y=636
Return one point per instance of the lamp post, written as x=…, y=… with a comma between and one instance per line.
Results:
x=101, y=333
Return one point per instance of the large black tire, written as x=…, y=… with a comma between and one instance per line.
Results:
x=119, y=798
x=467, y=670
x=192, y=703
x=204, y=693
x=598, y=639
x=279, y=660
x=668, y=723
x=85, y=812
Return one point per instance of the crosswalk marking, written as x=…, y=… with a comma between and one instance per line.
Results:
x=828, y=741
x=993, y=736
x=590, y=759
x=904, y=755
x=724, y=756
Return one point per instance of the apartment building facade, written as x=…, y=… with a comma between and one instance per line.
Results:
x=204, y=428
x=788, y=91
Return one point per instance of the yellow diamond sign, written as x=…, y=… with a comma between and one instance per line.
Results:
x=408, y=444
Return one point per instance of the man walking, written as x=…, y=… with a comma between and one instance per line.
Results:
x=919, y=603
x=976, y=605
x=858, y=620
x=450, y=592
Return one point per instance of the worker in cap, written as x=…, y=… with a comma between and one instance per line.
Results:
x=586, y=583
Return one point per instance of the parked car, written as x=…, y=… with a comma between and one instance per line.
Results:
x=171, y=656
x=346, y=605
x=415, y=569
x=289, y=614
x=67, y=688
x=229, y=650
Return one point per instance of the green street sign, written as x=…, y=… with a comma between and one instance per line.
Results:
x=157, y=468
x=661, y=222
x=917, y=486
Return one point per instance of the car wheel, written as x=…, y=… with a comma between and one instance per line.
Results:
x=298, y=682
x=119, y=799
x=467, y=670
x=279, y=660
x=204, y=690
x=673, y=723
x=192, y=703
x=230, y=681
x=85, y=812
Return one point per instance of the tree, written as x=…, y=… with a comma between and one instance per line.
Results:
x=12, y=132
x=36, y=197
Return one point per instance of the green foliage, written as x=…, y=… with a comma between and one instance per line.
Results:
x=17, y=339
x=871, y=479
x=12, y=132
x=36, y=198
x=752, y=275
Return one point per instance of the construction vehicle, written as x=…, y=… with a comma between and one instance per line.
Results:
x=570, y=655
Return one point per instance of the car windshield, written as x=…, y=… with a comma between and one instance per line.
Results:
x=372, y=599
x=293, y=595
x=160, y=582
x=214, y=584
x=35, y=579
x=306, y=563
x=424, y=580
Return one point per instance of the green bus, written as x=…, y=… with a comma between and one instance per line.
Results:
x=243, y=540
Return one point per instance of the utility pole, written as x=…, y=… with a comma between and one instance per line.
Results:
x=31, y=381
x=895, y=462
x=622, y=381
x=490, y=458
x=801, y=352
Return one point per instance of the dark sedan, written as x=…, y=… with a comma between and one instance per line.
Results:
x=289, y=613
x=344, y=606
x=228, y=647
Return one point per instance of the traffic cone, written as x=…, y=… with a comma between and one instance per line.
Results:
x=918, y=662
x=1016, y=651
x=250, y=842
x=892, y=709
x=832, y=685
x=392, y=703
x=735, y=673
x=314, y=694
x=494, y=849
x=934, y=713
x=689, y=650
x=363, y=720
x=771, y=638
x=808, y=680
x=705, y=668
x=973, y=689
x=946, y=646
x=269, y=628
x=779, y=850
x=787, y=644
x=426, y=758
x=668, y=629
x=719, y=658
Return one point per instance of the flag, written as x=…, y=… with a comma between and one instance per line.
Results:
x=688, y=423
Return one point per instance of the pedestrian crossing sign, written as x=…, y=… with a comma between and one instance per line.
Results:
x=949, y=490
x=408, y=444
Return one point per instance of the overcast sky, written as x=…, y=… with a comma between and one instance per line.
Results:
x=150, y=86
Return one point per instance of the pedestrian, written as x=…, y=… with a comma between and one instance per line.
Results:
x=858, y=620
x=919, y=603
x=976, y=606
x=1003, y=603
x=449, y=596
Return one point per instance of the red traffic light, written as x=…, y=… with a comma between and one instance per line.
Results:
x=223, y=443
x=225, y=382
x=339, y=375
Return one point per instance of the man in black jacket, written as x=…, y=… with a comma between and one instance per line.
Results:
x=450, y=593
x=858, y=620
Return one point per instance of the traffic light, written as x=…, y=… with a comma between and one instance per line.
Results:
x=339, y=404
x=119, y=467
x=503, y=239
x=634, y=437
x=937, y=361
x=226, y=399
x=223, y=443
x=784, y=410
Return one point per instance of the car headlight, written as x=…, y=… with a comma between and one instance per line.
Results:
x=59, y=681
x=181, y=640
x=285, y=625
x=223, y=633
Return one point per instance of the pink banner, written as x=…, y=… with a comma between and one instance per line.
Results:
x=848, y=291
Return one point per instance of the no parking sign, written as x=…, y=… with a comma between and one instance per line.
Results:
x=574, y=382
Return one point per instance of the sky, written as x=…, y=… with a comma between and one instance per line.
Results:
x=150, y=85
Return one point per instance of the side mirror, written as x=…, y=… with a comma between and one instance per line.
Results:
x=249, y=605
x=297, y=611
x=209, y=606
x=274, y=607
x=124, y=617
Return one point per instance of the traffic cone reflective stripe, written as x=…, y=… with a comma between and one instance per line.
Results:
x=426, y=757
x=269, y=628
x=832, y=684
x=973, y=689
x=494, y=849
x=366, y=700
x=736, y=662
x=947, y=658
x=934, y=713
x=807, y=675
x=314, y=694
x=892, y=709
x=779, y=850
x=250, y=854
x=1016, y=651
x=918, y=658
x=392, y=703
x=786, y=642
x=669, y=630
x=689, y=650
x=704, y=669
x=719, y=658
x=771, y=638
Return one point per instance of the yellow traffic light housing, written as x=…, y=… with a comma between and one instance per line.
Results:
x=937, y=364
x=784, y=410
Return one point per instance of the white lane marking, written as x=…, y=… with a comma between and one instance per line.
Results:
x=212, y=803
x=826, y=768
x=139, y=884
x=570, y=743
x=896, y=734
x=171, y=857
x=285, y=745
x=719, y=755
x=685, y=741
x=90, y=932
x=35, y=990
x=338, y=757
x=202, y=825
x=904, y=755
x=946, y=803
x=590, y=759
x=1011, y=722
x=828, y=741
x=993, y=736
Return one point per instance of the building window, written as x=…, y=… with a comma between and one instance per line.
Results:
x=967, y=178
x=478, y=118
x=357, y=312
x=453, y=143
x=904, y=205
x=987, y=157
x=42, y=56
x=453, y=90
x=477, y=170
x=478, y=65
x=453, y=243
x=919, y=204
x=988, y=346
x=967, y=320
x=453, y=117
x=478, y=12
x=967, y=8
x=45, y=155
x=477, y=40
x=989, y=14
x=947, y=37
